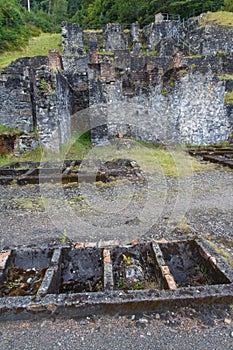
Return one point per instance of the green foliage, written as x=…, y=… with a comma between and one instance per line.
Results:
x=13, y=32
x=44, y=85
x=229, y=98
x=122, y=284
x=126, y=259
x=10, y=131
x=138, y=286
x=41, y=20
x=17, y=24
x=39, y=45
x=228, y=5
x=64, y=238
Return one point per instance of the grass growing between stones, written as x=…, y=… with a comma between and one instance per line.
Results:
x=219, y=250
x=33, y=156
x=37, y=46
x=228, y=100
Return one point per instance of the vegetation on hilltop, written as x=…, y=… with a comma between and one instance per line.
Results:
x=222, y=18
x=21, y=19
x=37, y=46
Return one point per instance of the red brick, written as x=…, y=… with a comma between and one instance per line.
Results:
x=3, y=259
x=107, y=256
x=79, y=245
x=171, y=282
x=165, y=270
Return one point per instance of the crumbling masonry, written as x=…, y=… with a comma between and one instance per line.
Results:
x=163, y=83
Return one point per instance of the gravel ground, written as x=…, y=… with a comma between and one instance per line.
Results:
x=204, y=328
x=198, y=206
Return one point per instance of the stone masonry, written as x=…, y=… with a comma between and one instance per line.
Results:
x=118, y=86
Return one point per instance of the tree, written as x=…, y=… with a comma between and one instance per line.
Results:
x=13, y=32
x=228, y=5
x=59, y=11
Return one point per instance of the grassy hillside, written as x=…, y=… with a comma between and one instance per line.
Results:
x=221, y=18
x=37, y=46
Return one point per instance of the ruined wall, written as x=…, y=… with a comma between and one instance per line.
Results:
x=156, y=32
x=53, y=108
x=114, y=37
x=164, y=98
x=46, y=108
x=187, y=106
x=168, y=37
x=210, y=40
x=16, y=93
x=72, y=39
x=15, y=101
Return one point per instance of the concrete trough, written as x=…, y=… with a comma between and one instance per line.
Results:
x=84, y=279
x=69, y=171
x=220, y=155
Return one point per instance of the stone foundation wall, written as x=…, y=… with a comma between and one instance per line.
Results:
x=191, y=110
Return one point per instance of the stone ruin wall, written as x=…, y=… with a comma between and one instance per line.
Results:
x=162, y=97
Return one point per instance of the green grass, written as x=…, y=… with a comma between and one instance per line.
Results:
x=219, y=18
x=169, y=162
x=37, y=46
x=226, y=77
x=76, y=149
x=154, y=160
x=228, y=100
x=10, y=131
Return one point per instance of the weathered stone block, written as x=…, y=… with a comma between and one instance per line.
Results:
x=72, y=40
x=114, y=37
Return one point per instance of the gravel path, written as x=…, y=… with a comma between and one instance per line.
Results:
x=168, y=208
x=201, y=328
